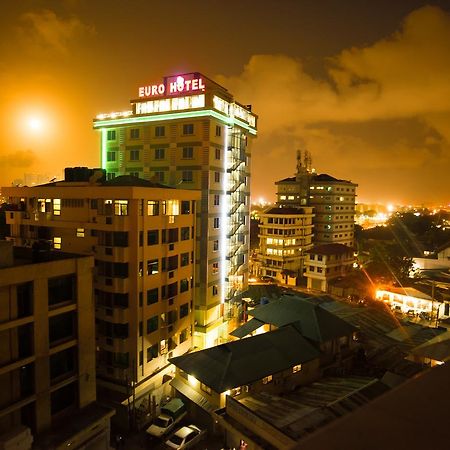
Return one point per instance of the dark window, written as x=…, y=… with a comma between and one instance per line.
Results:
x=160, y=131
x=215, y=245
x=120, y=239
x=187, y=176
x=64, y=398
x=188, y=152
x=111, y=135
x=152, y=296
x=61, y=327
x=172, y=262
x=160, y=153
x=184, y=233
x=141, y=358
x=217, y=177
x=217, y=153
x=184, y=285
x=172, y=290
x=216, y=199
x=134, y=133
x=152, y=324
x=110, y=156
x=140, y=328
x=152, y=352
x=24, y=299
x=218, y=130
x=184, y=310
x=25, y=339
x=188, y=128
x=172, y=235
x=63, y=363
x=216, y=222
x=152, y=237
x=61, y=289
x=185, y=207
x=134, y=155
x=184, y=259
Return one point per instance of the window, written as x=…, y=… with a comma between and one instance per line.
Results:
x=134, y=155
x=216, y=199
x=215, y=245
x=160, y=131
x=56, y=206
x=184, y=259
x=152, y=208
x=184, y=233
x=152, y=352
x=215, y=290
x=152, y=296
x=297, y=368
x=61, y=289
x=267, y=379
x=160, y=153
x=184, y=310
x=57, y=242
x=216, y=222
x=152, y=237
x=217, y=153
x=185, y=207
x=121, y=207
x=215, y=268
x=80, y=232
x=134, y=174
x=188, y=128
x=171, y=207
x=205, y=388
x=218, y=130
x=110, y=175
x=152, y=324
x=184, y=285
x=187, y=176
x=111, y=135
x=159, y=176
x=217, y=177
x=110, y=156
x=188, y=153
x=134, y=133
x=152, y=267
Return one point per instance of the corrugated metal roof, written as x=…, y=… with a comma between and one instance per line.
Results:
x=248, y=360
x=247, y=328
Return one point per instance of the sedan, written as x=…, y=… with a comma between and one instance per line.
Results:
x=185, y=437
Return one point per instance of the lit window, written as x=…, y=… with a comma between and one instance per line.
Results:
x=80, y=232
x=267, y=379
x=121, y=207
x=297, y=368
x=282, y=197
x=171, y=207
x=56, y=207
x=57, y=242
x=152, y=267
x=215, y=268
x=152, y=208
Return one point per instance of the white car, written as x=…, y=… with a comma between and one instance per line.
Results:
x=186, y=437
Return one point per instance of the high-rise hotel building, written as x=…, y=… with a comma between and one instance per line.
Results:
x=188, y=132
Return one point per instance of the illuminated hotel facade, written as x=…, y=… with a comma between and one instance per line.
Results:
x=188, y=132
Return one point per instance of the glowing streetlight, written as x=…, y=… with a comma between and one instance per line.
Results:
x=35, y=124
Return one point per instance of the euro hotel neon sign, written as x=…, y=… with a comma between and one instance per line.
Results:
x=173, y=86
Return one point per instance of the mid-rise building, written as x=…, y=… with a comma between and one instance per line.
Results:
x=142, y=237
x=189, y=132
x=285, y=235
x=47, y=351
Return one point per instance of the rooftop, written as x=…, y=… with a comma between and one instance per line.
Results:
x=330, y=249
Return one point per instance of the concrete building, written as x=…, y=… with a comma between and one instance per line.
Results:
x=47, y=352
x=189, y=132
x=285, y=235
x=327, y=262
x=142, y=237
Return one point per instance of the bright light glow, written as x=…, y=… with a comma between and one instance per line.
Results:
x=223, y=243
x=35, y=124
x=390, y=207
x=192, y=380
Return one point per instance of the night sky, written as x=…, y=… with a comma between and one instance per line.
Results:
x=363, y=85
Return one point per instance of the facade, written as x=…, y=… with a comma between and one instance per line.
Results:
x=47, y=350
x=188, y=132
x=328, y=262
x=285, y=235
x=142, y=237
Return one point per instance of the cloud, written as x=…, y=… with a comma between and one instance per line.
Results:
x=17, y=159
x=383, y=108
x=46, y=32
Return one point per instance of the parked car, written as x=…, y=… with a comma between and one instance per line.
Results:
x=186, y=437
x=171, y=414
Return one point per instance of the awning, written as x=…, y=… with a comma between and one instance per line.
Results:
x=247, y=328
x=192, y=395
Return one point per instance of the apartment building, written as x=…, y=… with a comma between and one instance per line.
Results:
x=285, y=235
x=142, y=237
x=47, y=351
x=188, y=132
